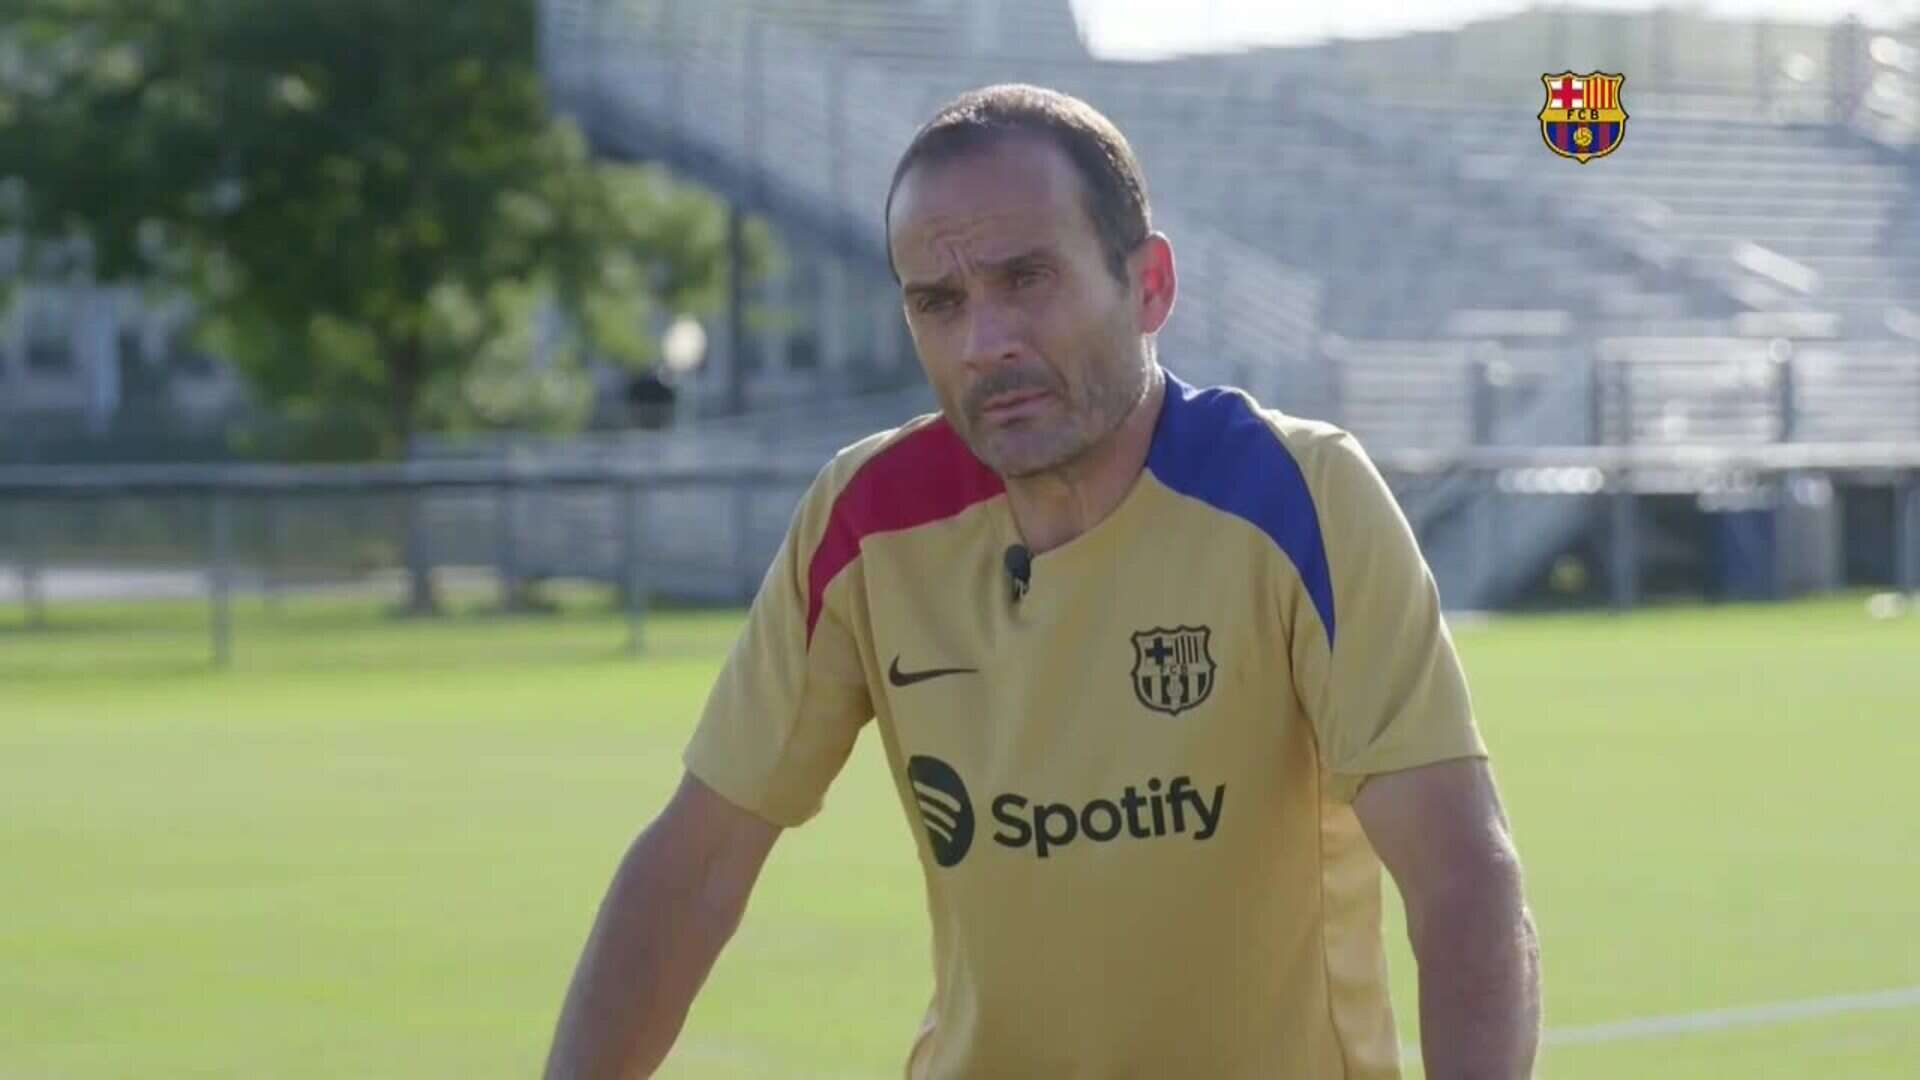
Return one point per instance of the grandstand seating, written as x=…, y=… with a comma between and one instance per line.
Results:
x=813, y=134
x=1692, y=390
x=1723, y=277
x=978, y=28
x=1867, y=391
x=1817, y=196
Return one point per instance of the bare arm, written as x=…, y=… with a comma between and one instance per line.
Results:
x=674, y=902
x=1440, y=832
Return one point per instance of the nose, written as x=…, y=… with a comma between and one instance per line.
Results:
x=995, y=334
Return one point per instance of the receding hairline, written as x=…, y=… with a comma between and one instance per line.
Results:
x=1112, y=185
x=1079, y=196
x=992, y=142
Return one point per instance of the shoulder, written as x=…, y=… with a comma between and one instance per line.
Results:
x=1220, y=444
x=1221, y=447
x=918, y=472
x=913, y=475
x=1308, y=483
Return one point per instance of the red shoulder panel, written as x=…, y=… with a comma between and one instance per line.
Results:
x=922, y=478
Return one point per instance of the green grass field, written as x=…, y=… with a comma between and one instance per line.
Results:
x=372, y=848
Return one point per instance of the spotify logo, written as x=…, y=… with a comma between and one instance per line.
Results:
x=1175, y=807
x=944, y=808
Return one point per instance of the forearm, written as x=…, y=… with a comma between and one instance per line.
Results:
x=1479, y=962
x=654, y=942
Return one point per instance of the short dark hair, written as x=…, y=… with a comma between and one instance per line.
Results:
x=1116, y=188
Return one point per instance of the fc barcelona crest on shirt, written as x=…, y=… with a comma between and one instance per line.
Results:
x=1172, y=669
x=1582, y=118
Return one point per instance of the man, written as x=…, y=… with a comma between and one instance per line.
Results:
x=1157, y=672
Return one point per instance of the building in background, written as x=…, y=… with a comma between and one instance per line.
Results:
x=91, y=372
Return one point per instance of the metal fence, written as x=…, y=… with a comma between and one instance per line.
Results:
x=272, y=529
x=249, y=529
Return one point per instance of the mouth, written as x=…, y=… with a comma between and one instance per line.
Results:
x=1014, y=404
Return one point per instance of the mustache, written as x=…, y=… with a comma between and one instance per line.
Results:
x=1004, y=382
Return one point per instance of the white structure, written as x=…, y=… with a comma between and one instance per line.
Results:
x=79, y=356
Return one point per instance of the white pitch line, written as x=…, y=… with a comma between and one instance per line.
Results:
x=1721, y=1019
x=1746, y=1016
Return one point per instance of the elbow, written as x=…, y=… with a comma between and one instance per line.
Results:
x=680, y=884
x=1478, y=935
x=1481, y=904
x=1479, y=961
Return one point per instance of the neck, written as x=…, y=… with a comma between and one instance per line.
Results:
x=1053, y=507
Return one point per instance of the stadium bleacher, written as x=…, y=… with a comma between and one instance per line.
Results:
x=1816, y=196
x=1740, y=271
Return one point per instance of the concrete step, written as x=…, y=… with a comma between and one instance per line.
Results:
x=1625, y=164
x=1748, y=226
x=1865, y=289
x=1700, y=180
x=1639, y=153
x=1891, y=267
x=1877, y=207
x=1637, y=324
x=1640, y=304
x=1804, y=246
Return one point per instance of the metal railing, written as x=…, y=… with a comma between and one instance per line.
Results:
x=1617, y=475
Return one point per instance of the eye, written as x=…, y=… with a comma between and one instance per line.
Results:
x=1028, y=275
x=933, y=303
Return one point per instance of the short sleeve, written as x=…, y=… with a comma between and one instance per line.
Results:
x=791, y=699
x=1382, y=685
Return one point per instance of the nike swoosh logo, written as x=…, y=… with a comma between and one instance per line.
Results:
x=908, y=678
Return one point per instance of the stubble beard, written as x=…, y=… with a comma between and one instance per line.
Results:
x=1057, y=442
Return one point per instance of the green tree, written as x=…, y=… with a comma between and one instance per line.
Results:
x=368, y=199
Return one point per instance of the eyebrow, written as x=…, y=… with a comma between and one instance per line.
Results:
x=948, y=283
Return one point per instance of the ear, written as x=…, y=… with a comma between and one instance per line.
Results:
x=1151, y=268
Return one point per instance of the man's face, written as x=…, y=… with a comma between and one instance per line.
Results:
x=1031, y=345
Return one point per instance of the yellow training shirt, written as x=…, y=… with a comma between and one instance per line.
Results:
x=1131, y=786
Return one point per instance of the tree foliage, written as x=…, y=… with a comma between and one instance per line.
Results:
x=370, y=200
